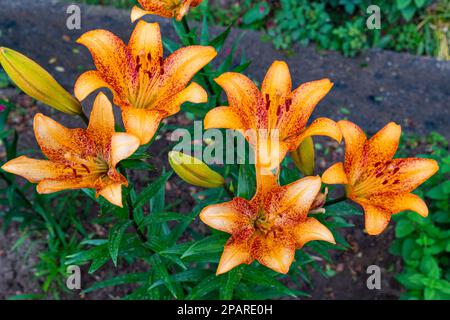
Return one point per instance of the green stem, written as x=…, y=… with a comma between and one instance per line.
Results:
x=228, y=191
x=334, y=201
x=84, y=117
x=140, y=234
x=187, y=31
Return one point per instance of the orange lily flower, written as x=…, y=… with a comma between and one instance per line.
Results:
x=269, y=227
x=164, y=8
x=146, y=87
x=78, y=158
x=380, y=184
x=274, y=119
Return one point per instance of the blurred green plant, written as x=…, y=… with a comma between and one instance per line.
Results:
x=415, y=26
x=423, y=243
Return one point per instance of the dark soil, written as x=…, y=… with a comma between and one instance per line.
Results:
x=376, y=88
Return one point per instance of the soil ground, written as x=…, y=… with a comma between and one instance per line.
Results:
x=376, y=87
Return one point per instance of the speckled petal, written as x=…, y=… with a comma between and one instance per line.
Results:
x=311, y=230
x=236, y=252
x=335, y=174
x=274, y=251
x=354, y=139
x=229, y=216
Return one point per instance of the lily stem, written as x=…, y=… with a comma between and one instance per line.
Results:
x=84, y=117
x=334, y=201
x=187, y=31
x=140, y=234
x=228, y=191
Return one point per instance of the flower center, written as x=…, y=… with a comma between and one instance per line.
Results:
x=148, y=73
x=262, y=222
x=87, y=166
x=382, y=175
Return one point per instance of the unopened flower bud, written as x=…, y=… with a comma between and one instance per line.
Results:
x=32, y=79
x=194, y=171
x=304, y=157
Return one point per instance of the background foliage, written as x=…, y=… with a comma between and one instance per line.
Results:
x=416, y=26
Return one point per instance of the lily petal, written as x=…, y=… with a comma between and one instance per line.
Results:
x=236, y=252
x=57, y=142
x=113, y=193
x=319, y=127
x=123, y=145
x=193, y=93
x=304, y=100
x=32, y=169
x=223, y=118
x=276, y=87
x=335, y=174
x=383, y=145
x=87, y=83
x=181, y=66
x=101, y=123
x=243, y=95
x=142, y=123
x=376, y=218
x=137, y=13
x=311, y=230
x=401, y=202
x=276, y=253
x=294, y=200
x=46, y=186
x=112, y=59
x=229, y=217
x=270, y=153
x=412, y=172
x=146, y=40
x=354, y=143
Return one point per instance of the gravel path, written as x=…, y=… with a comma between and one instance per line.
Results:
x=377, y=87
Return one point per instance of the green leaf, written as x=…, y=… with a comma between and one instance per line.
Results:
x=204, y=36
x=343, y=209
x=170, y=45
x=119, y=280
x=136, y=164
x=4, y=80
x=211, y=244
x=151, y=190
x=429, y=293
x=230, y=280
x=408, y=12
x=257, y=13
x=115, y=239
x=161, y=272
x=158, y=217
x=440, y=192
x=246, y=182
x=205, y=287
x=402, y=4
x=411, y=281
x=219, y=41
x=260, y=278
x=420, y=3
x=81, y=257
x=403, y=228
x=430, y=267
